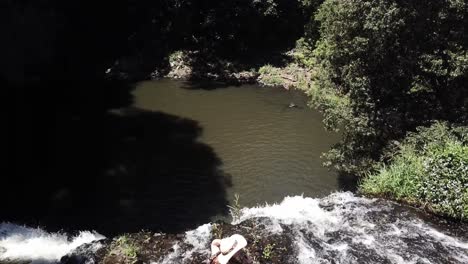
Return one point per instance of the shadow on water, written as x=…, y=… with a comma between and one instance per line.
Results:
x=347, y=182
x=75, y=164
x=80, y=165
x=197, y=84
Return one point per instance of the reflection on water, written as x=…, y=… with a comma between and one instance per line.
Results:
x=268, y=149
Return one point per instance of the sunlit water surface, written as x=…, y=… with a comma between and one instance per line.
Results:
x=268, y=149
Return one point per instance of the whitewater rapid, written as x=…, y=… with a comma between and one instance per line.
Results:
x=343, y=228
x=38, y=246
x=340, y=228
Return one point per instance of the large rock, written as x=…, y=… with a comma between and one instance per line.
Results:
x=87, y=253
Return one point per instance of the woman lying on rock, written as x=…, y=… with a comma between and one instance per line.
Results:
x=229, y=250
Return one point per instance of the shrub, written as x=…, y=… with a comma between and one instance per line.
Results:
x=302, y=53
x=429, y=168
x=400, y=180
x=177, y=57
x=445, y=181
x=291, y=76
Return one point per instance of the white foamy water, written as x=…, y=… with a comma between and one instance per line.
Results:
x=343, y=228
x=36, y=245
x=340, y=228
x=198, y=240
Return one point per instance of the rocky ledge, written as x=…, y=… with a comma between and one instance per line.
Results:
x=189, y=248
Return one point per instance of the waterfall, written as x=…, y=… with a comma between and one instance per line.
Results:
x=36, y=245
x=340, y=228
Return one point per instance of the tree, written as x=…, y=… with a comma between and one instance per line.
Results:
x=386, y=67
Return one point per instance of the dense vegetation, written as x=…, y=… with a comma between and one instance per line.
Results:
x=240, y=32
x=384, y=68
x=429, y=168
x=136, y=37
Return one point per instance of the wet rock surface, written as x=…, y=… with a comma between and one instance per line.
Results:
x=341, y=228
x=148, y=247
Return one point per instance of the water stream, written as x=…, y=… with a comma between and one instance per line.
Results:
x=342, y=228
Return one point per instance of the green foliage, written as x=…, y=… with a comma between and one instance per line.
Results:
x=445, y=183
x=124, y=244
x=430, y=167
x=244, y=32
x=268, y=251
x=177, y=57
x=291, y=76
x=235, y=209
x=436, y=136
x=400, y=180
x=267, y=7
x=270, y=75
x=335, y=106
x=302, y=54
x=311, y=28
x=236, y=27
x=395, y=64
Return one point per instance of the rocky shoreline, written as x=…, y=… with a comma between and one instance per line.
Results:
x=195, y=66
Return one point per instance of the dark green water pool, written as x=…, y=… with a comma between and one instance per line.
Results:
x=268, y=150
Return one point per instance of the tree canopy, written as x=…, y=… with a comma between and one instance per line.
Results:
x=386, y=67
